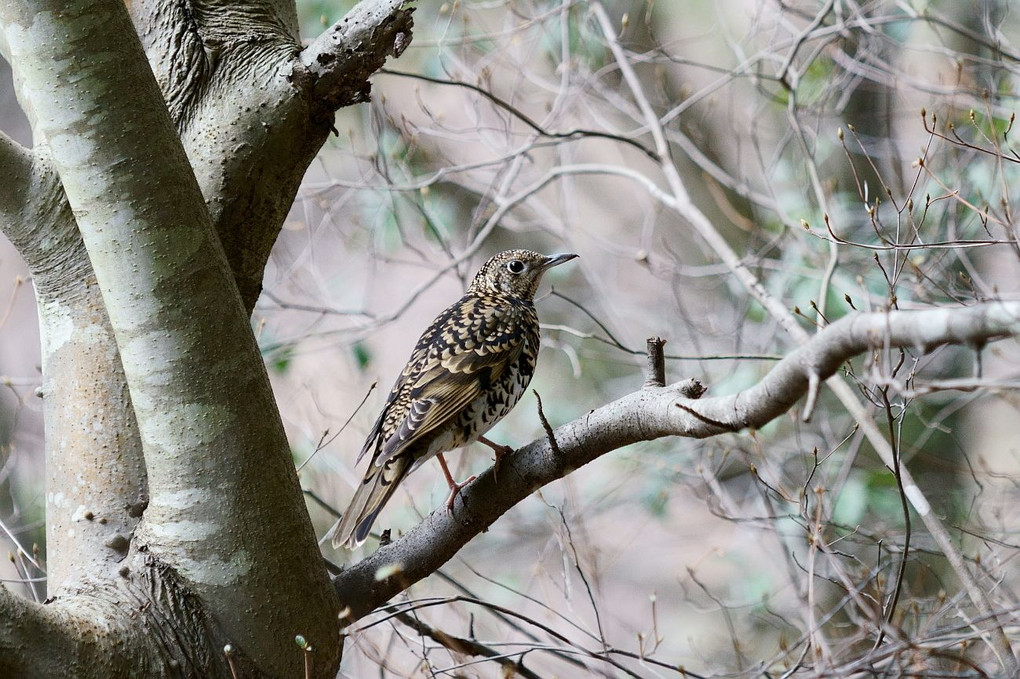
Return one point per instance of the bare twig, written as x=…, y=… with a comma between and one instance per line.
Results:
x=781, y=314
x=655, y=367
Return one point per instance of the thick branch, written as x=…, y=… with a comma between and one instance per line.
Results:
x=206, y=57
x=45, y=641
x=341, y=60
x=250, y=114
x=226, y=71
x=649, y=414
x=25, y=626
x=15, y=168
x=94, y=507
x=143, y=623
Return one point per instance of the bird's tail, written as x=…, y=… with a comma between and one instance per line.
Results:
x=375, y=490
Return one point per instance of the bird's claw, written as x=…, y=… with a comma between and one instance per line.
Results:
x=500, y=452
x=455, y=490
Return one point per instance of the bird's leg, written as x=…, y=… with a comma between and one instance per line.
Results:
x=454, y=486
x=500, y=450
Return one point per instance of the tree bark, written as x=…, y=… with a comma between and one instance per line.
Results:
x=225, y=552
x=220, y=478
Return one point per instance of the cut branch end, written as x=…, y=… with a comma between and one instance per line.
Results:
x=655, y=365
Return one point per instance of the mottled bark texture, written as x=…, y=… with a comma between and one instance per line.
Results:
x=175, y=520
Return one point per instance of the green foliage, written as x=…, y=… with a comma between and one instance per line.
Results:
x=586, y=50
x=277, y=355
x=656, y=495
x=281, y=358
x=815, y=83
x=315, y=15
x=362, y=355
x=869, y=496
x=853, y=500
x=755, y=586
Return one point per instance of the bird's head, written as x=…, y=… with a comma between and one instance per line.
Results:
x=515, y=273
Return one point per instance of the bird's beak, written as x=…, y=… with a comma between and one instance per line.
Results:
x=556, y=260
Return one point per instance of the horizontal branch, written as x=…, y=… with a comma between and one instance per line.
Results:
x=46, y=641
x=652, y=413
x=22, y=624
x=146, y=622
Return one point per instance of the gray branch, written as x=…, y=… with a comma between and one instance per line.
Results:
x=205, y=60
x=341, y=60
x=651, y=413
x=142, y=623
x=213, y=436
x=250, y=110
x=89, y=522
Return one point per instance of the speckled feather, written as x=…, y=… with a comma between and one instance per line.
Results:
x=467, y=371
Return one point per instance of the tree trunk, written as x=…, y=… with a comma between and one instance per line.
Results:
x=176, y=525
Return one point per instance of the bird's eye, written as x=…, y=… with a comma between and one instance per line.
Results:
x=515, y=266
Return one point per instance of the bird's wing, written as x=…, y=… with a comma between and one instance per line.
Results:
x=465, y=350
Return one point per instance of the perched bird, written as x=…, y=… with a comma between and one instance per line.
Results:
x=468, y=369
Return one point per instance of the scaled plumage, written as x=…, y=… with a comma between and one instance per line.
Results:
x=467, y=371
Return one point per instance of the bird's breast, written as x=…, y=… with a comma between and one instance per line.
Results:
x=501, y=396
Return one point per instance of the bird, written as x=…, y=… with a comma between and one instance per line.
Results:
x=467, y=371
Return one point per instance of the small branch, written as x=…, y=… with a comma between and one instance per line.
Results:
x=550, y=434
x=655, y=365
x=520, y=115
x=814, y=386
x=470, y=647
x=649, y=414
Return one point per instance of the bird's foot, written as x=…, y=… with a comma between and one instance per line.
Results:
x=454, y=486
x=499, y=449
x=455, y=490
